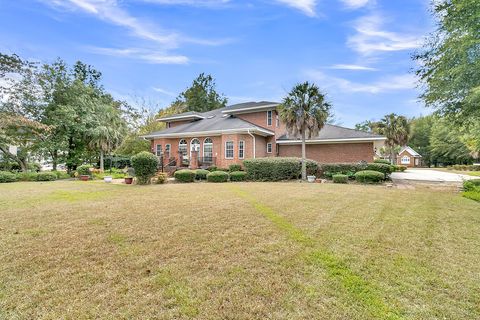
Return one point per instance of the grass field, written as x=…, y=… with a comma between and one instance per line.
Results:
x=83, y=250
x=468, y=173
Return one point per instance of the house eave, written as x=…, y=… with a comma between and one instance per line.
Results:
x=328, y=141
x=180, y=118
x=248, y=110
x=258, y=131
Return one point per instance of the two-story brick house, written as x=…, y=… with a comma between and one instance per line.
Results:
x=251, y=130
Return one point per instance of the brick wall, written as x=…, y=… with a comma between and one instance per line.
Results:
x=412, y=160
x=329, y=153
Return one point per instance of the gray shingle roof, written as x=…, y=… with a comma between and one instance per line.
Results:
x=213, y=120
x=248, y=105
x=330, y=131
x=184, y=114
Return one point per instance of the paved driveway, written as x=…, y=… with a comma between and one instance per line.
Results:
x=430, y=175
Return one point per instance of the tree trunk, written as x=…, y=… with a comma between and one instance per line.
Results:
x=21, y=162
x=392, y=156
x=304, y=156
x=54, y=160
x=101, y=161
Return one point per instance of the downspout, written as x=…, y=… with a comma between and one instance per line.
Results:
x=254, y=144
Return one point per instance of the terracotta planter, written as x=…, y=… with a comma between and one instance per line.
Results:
x=128, y=180
x=84, y=177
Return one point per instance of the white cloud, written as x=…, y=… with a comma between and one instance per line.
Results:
x=150, y=56
x=196, y=3
x=370, y=38
x=163, y=91
x=389, y=83
x=306, y=6
x=355, y=4
x=353, y=67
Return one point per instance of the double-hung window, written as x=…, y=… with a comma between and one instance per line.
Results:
x=269, y=117
x=158, y=152
x=269, y=148
x=167, y=150
x=229, y=150
x=241, y=149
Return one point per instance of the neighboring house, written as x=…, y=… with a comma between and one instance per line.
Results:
x=252, y=130
x=409, y=157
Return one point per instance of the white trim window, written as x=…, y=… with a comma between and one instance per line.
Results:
x=269, y=147
x=168, y=147
x=269, y=117
x=182, y=147
x=159, y=151
x=229, y=152
x=241, y=149
x=405, y=160
x=208, y=150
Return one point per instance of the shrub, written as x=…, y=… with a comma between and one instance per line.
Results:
x=212, y=168
x=382, y=161
x=340, y=178
x=238, y=176
x=386, y=169
x=27, y=176
x=330, y=169
x=161, y=178
x=46, y=176
x=471, y=185
x=217, y=176
x=400, y=168
x=61, y=174
x=34, y=166
x=201, y=174
x=473, y=195
x=276, y=169
x=6, y=176
x=145, y=165
x=234, y=167
x=184, y=175
x=84, y=170
x=369, y=176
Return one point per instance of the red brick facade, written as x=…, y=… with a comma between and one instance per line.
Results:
x=412, y=161
x=330, y=153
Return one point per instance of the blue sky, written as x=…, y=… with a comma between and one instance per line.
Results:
x=357, y=51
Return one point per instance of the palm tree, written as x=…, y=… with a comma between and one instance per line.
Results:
x=396, y=129
x=304, y=111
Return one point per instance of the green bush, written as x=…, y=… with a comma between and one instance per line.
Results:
x=212, y=168
x=217, y=176
x=473, y=195
x=46, y=176
x=382, y=161
x=145, y=165
x=62, y=174
x=400, y=168
x=340, y=178
x=369, y=176
x=201, y=174
x=471, y=185
x=238, y=176
x=328, y=170
x=185, y=175
x=27, y=176
x=6, y=176
x=84, y=170
x=386, y=169
x=234, y=167
x=276, y=169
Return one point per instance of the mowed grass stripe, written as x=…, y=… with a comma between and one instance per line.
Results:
x=356, y=286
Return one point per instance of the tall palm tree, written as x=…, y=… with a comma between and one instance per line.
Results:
x=396, y=129
x=304, y=111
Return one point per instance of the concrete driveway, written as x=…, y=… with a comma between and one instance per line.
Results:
x=430, y=175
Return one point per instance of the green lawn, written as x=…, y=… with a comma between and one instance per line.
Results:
x=468, y=173
x=78, y=250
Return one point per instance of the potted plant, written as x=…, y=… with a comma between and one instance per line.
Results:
x=85, y=172
x=84, y=177
x=128, y=180
x=130, y=174
x=107, y=179
x=311, y=178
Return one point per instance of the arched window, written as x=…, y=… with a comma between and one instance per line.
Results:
x=194, y=145
x=208, y=150
x=182, y=147
x=405, y=160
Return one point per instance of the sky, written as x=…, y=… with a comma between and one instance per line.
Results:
x=357, y=51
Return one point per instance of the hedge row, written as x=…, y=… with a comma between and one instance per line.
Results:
x=464, y=167
x=6, y=176
x=276, y=169
x=187, y=175
x=369, y=176
x=472, y=189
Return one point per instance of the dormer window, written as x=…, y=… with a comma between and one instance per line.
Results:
x=269, y=117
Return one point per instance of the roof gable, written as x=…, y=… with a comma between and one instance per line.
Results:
x=410, y=151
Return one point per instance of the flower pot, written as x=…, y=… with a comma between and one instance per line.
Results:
x=128, y=180
x=84, y=177
x=107, y=179
x=311, y=178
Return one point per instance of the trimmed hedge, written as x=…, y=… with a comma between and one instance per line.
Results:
x=330, y=169
x=369, y=176
x=386, y=169
x=471, y=185
x=238, y=176
x=212, y=168
x=217, y=176
x=400, y=168
x=161, y=178
x=6, y=177
x=185, y=175
x=382, y=161
x=84, y=170
x=145, y=165
x=234, y=167
x=201, y=174
x=276, y=169
x=27, y=176
x=340, y=178
x=46, y=176
x=62, y=174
